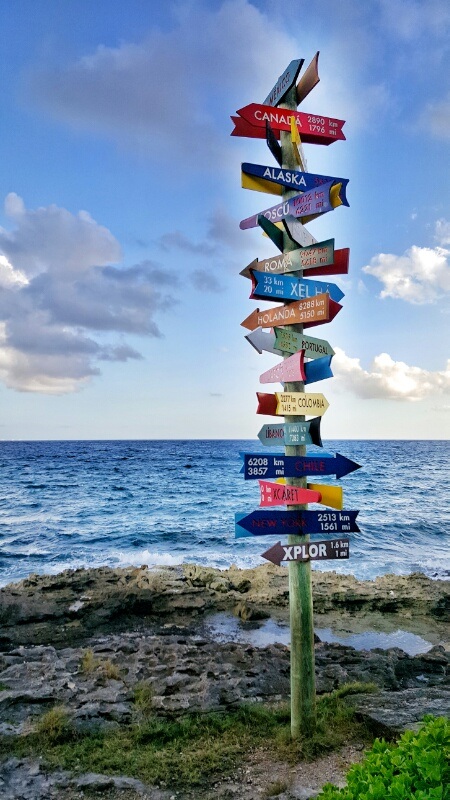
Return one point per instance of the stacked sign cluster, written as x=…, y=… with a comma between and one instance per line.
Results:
x=289, y=277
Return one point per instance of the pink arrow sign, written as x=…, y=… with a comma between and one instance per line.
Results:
x=287, y=371
x=276, y=494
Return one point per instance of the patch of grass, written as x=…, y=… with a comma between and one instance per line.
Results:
x=54, y=726
x=192, y=750
x=3, y=687
x=105, y=669
x=276, y=788
x=89, y=663
x=143, y=699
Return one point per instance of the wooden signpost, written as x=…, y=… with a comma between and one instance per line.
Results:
x=272, y=179
x=263, y=522
x=309, y=551
x=311, y=311
x=291, y=433
x=305, y=206
x=287, y=287
x=260, y=465
x=282, y=403
x=304, y=196
x=313, y=128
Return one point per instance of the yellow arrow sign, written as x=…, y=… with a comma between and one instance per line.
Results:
x=260, y=185
x=311, y=405
x=330, y=495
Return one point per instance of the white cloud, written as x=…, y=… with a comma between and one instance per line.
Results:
x=60, y=299
x=389, y=379
x=420, y=275
x=165, y=91
x=442, y=232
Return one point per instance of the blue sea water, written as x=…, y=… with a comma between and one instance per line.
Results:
x=89, y=503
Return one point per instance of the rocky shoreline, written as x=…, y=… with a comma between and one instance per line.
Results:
x=77, y=604
x=85, y=639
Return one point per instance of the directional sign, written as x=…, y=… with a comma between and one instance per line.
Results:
x=289, y=341
x=273, y=179
x=289, y=370
x=308, y=551
x=301, y=403
x=272, y=144
x=330, y=495
x=284, y=82
x=310, y=311
x=291, y=433
x=313, y=128
x=286, y=287
x=303, y=206
x=281, y=466
x=339, y=265
x=274, y=522
x=297, y=232
x=267, y=404
x=273, y=494
x=294, y=369
x=308, y=81
x=313, y=255
x=318, y=370
x=261, y=340
x=272, y=231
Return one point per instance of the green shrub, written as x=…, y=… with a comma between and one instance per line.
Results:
x=417, y=767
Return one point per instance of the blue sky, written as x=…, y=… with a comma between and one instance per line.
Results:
x=120, y=202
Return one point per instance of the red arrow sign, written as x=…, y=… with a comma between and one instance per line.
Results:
x=339, y=266
x=267, y=404
x=312, y=128
x=276, y=494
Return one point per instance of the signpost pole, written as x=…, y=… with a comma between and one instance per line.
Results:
x=303, y=688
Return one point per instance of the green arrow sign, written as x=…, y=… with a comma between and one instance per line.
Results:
x=290, y=342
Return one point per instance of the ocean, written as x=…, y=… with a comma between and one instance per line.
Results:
x=72, y=504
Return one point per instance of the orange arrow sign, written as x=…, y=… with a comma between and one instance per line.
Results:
x=310, y=311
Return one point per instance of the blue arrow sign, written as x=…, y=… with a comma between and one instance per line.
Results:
x=318, y=370
x=287, y=287
x=291, y=433
x=302, y=181
x=257, y=465
x=265, y=522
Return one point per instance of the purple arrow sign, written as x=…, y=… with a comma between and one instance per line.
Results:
x=313, y=202
x=257, y=465
x=265, y=522
x=308, y=551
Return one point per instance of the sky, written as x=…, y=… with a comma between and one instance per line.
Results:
x=120, y=201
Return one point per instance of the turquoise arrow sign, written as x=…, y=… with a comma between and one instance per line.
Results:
x=291, y=433
x=287, y=287
x=290, y=342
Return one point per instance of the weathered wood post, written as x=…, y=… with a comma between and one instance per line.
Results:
x=318, y=304
x=303, y=684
